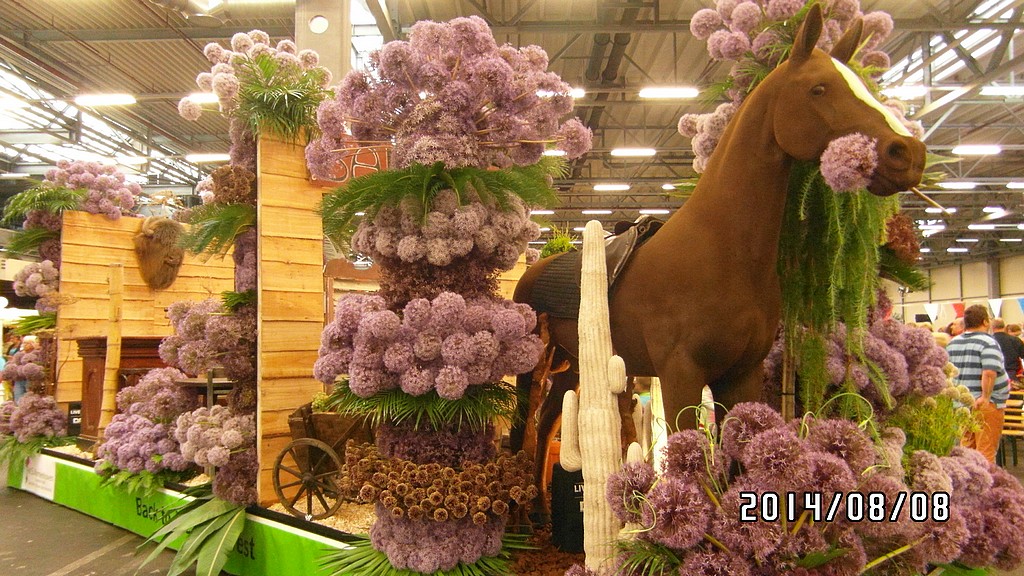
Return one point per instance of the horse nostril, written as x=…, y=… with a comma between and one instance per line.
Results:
x=898, y=151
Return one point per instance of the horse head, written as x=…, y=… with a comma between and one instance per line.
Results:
x=820, y=99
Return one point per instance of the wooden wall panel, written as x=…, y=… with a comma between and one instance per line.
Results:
x=290, y=297
x=90, y=243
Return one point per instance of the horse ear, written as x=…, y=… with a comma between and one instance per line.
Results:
x=847, y=46
x=807, y=36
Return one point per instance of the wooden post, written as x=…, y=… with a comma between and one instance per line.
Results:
x=112, y=365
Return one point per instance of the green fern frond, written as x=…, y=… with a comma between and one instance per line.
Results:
x=54, y=199
x=420, y=183
x=29, y=239
x=12, y=451
x=31, y=324
x=560, y=241
x=646, y=558
x=235, y=300
x=476, y=408
x=278, y=99
x=215, y=226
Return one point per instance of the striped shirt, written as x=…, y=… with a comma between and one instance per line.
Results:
x=973, y=352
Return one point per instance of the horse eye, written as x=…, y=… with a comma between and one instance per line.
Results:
x=818, y=90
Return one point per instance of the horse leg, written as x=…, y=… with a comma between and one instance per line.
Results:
x=742, y=387
x=681, y=384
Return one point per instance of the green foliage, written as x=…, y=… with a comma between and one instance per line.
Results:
x=815, y=559
x=142, y=483
x=54, y=199
x=958, y=569
x=29, y=239
x=215, y=226
x=828, y=252
x=278, y=99
x=321, y=402
x=646, y=558
x=419, y=182
x=476, y=408
x=235, y=300
x=892, y=268
x=31, y=324
x=12, y=451
x=561, y=241
x=208, y=528
x=934, y=424
x=362, y=558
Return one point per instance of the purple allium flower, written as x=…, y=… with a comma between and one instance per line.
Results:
x=690, y=456
x=745, y=17
x=783, y=9
x=189, y=109
x=236, y=481
x=876, y=59
x=677, y=513
x=743, y=422
x=843, y=438
x=752, y=539
x=877, y=27
x=704, y=22
x=36, y=416
x=849, y=162
x=214, y=53
x=627, y=489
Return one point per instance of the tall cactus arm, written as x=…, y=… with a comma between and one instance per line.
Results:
x=569, y=453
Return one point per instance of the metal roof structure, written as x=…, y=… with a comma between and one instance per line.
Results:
x=957, y=50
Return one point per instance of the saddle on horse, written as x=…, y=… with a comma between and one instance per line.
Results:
x=557, y=290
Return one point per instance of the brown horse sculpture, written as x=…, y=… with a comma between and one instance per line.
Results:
x=699, y=303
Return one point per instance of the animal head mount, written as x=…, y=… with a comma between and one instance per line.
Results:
x=819, y=99
x=156, y=247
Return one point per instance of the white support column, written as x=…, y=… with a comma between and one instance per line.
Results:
x=333, y=44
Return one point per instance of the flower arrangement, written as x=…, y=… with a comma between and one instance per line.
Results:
x=207, y=335
x=275, y=88
x=27, y=426
x=26, y=365
x=221, y=438
x=688, y=519
x=106, y=193
x=39, y=280
x=452, y=95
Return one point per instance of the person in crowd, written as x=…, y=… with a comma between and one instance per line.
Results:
x=12, y=343
x=1012, y=347
x=979, y=359
x=1014, y=330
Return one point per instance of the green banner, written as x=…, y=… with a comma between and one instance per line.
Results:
x=265, y=546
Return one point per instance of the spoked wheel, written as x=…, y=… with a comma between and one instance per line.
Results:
x=304, y=474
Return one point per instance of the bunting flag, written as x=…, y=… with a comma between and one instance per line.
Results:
x=1020, y=302
x=958, y=307
x=932, y=309
x=996, y=304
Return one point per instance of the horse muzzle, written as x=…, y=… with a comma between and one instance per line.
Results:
x=901, y=162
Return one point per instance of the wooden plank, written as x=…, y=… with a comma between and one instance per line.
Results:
x=281, y=277
x=288, y=364
x=293, y=251
x=290, y=336
x=276, y=157
x=306, y=307
x=288, y=393
x=291, y=226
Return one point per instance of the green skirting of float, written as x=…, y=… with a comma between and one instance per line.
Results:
x=266, y=546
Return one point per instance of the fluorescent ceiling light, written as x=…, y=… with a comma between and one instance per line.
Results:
x=1016, y=185
x=203, y=97
x=12, y=176
x=1020, y=226
x=595, y=212
x=977, y=149
x=906, y=92
x=201, y=158
x=537, y=242
x=669, y=92
x=655, y=211
x=993, y=209
x=360, y=214
x=958, y=185
x=934, y=210
x=925, y=250
x=545, y=229
x=957, y=250
x=611, y=187
x=105, y=99
x=634, y=152
x=1011, y=239
x=578, y=229
x=554, y=152
x=967, y=240
x=577, y=92
x=541, y=212
x=1002, y=91
x=981, y=226
x=668, y=186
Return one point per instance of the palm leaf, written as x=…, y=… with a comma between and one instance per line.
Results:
x=235, y=300
x=278, y=99
x=214, y=227
x=368, y=194
x=891, y=267
x=362, y=558
x=54, y=199
x=29, y=239
x=213, y=553
x=646, y=558
x=189, y=551
x=476, y=408
x=31, y=324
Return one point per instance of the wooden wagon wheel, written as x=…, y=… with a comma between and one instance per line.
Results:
x=303, y=475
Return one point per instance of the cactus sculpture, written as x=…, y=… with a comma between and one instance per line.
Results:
x=590, y=422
